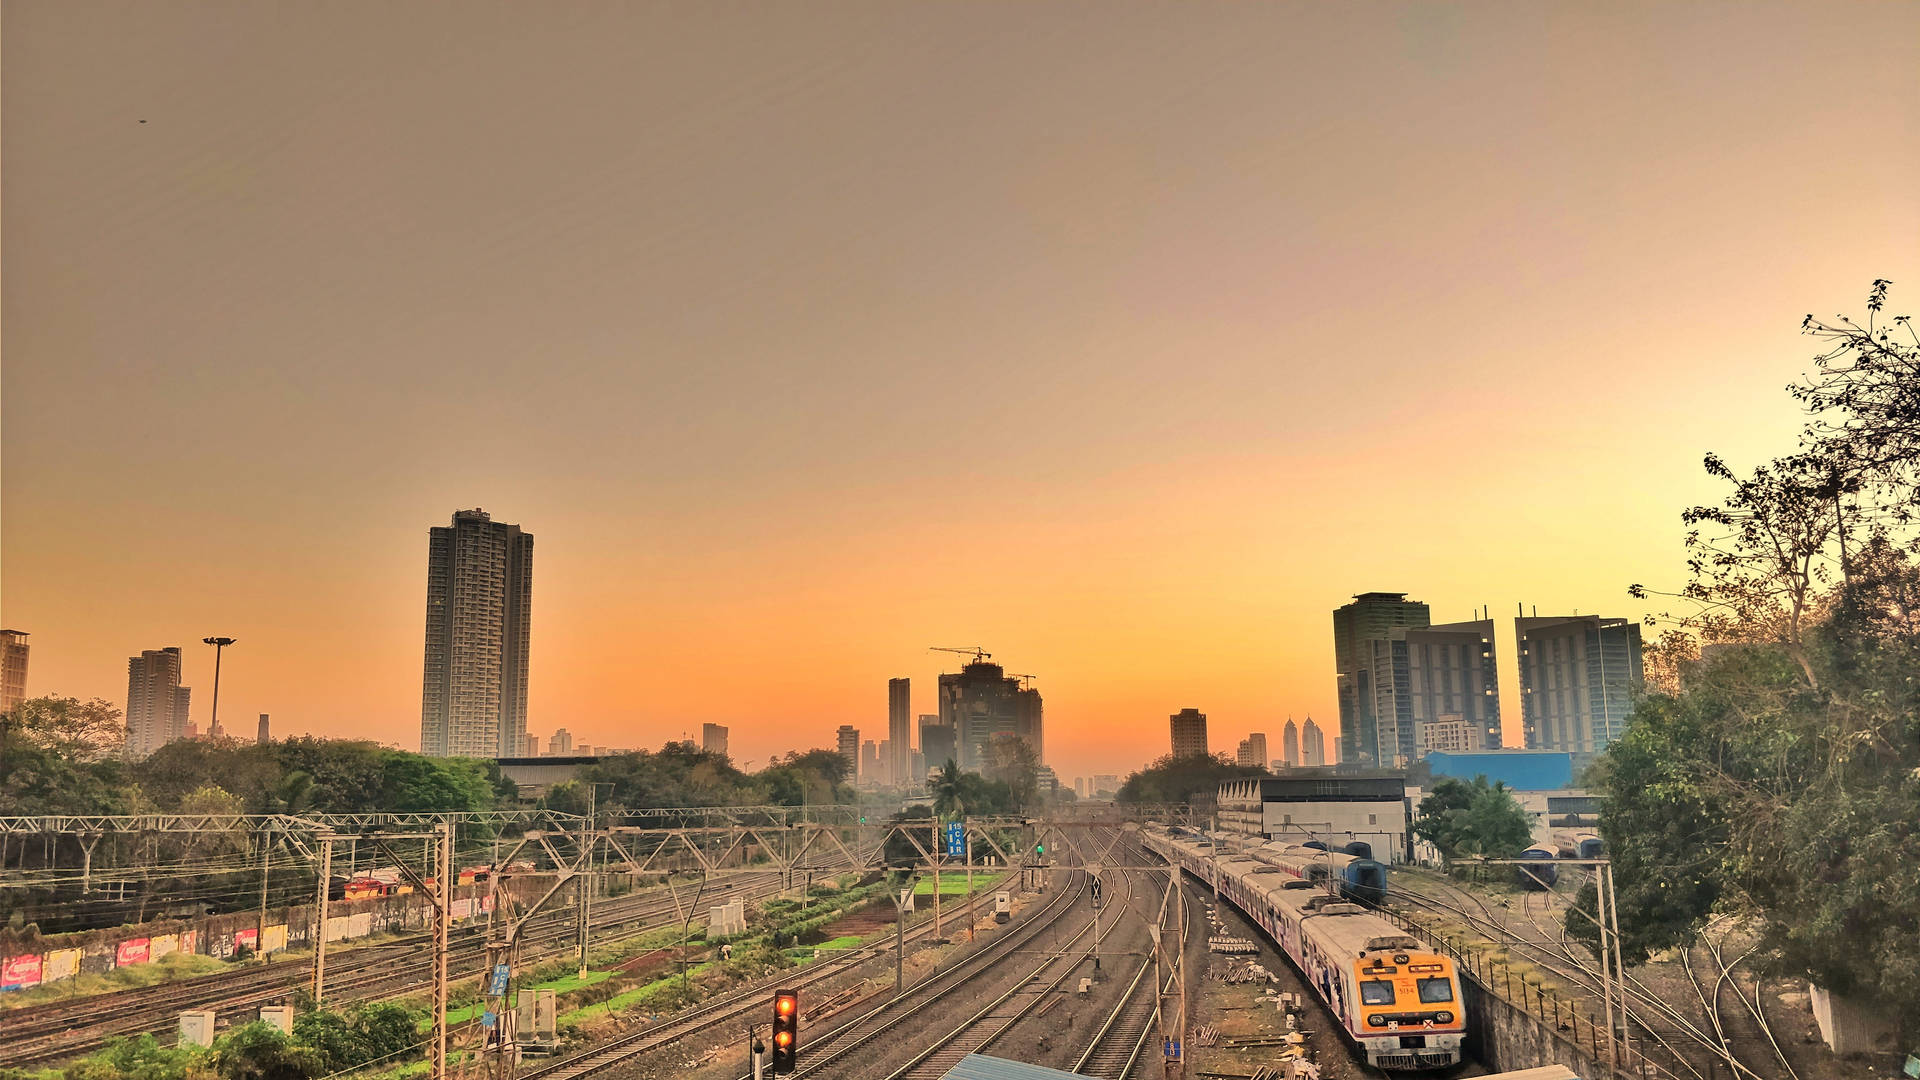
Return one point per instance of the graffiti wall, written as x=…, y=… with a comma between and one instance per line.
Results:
x=32, y=960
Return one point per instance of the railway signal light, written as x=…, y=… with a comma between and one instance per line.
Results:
x=786, y=1030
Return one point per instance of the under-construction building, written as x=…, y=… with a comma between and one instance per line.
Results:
x=981, y=703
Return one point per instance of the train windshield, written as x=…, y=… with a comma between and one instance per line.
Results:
x=1376, y=992
x=1435, y=990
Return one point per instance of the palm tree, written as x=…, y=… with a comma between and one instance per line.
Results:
x=949, y=792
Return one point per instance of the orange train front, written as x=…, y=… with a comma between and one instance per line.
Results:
x=1398, y=1001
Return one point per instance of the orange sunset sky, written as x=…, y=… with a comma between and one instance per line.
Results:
x=1124, y=339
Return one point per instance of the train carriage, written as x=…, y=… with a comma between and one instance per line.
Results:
x=1396, y=1000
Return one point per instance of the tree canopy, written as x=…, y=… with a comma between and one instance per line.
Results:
x=1776, y=771
x=1182, y=779
x=1473, y=817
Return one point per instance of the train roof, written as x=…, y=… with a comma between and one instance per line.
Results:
x=1358, y=932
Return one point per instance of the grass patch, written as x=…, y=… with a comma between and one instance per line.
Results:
x=563, y=985
x=845, y=941
x=956, y=884
x=639, y=995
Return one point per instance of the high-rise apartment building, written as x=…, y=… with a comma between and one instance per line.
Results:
x=1313, y=744
x=713, y=739
x=1578, y=675
x=899, y=759
x=473, y=700
x=265, y=735
x=1290, y=744
x=939, y=743
x=1189, y=733
x=981, y=703
x=560, y=743
x=1356, y=626
x=13, y=669
x=869, y=763
x=1253, y=750
x=849, y=746
x=156, y=702
x=1437, y=675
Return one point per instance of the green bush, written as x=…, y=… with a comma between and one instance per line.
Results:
x=258, y=1051
x=139, y=1058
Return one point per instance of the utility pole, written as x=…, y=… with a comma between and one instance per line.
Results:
x=971, y=920
x=442, y=930
x=219, y=644
x=588, y=840
x=320, y=923
x=1613, y=916
x=266, y=867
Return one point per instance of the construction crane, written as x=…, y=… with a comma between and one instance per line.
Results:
x=1024, y=679
x=976, y=652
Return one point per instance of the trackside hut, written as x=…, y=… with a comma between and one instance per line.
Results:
x=1335, y=809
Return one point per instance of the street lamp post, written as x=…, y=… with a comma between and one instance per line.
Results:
x=219, y=644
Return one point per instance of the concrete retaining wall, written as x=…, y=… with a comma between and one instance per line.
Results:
x=1507, y=1038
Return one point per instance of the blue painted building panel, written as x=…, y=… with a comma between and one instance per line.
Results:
x=1521, y=770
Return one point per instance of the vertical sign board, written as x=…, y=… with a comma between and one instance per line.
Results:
x=498, y=987
x=956, y=840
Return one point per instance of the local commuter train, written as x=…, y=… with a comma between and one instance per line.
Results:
x=1396, y=999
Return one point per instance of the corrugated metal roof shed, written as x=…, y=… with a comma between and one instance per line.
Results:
x=982, y=1067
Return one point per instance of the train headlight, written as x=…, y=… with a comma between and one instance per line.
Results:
x=1444, y=1017
x=1376, y=1021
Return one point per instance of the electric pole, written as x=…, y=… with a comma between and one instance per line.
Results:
x=320, y=923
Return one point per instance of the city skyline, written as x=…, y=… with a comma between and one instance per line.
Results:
x=930, y=372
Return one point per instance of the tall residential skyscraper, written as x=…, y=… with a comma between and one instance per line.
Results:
x=1355, y=627
x=713, y=739
x=560, y=743
x=1290, y=744
x=1313, y=744
x=473, y=701
x=899, y=761
x=848, y=743
x=264, y=737
x=13, y=669
x=1253, y=750
x=869, y=762
x=156, y=702
x=1578, y=675
x=1434, y=687
x=982, y=702
x=1189, y=733
x=939, y=743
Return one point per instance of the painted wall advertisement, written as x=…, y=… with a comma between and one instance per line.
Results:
x=20, y=972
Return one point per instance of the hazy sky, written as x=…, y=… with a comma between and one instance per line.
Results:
x=1124, y=339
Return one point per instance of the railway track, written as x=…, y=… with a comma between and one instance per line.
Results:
x=710, y=1014
x=1116, y=1047
x=35, y=1036
x=1031, y=994
x=1744, y=1034
x=836, y=1046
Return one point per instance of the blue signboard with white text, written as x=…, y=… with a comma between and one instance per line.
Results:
x=956, y=839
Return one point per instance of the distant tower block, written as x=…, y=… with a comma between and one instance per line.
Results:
x=263, y=738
